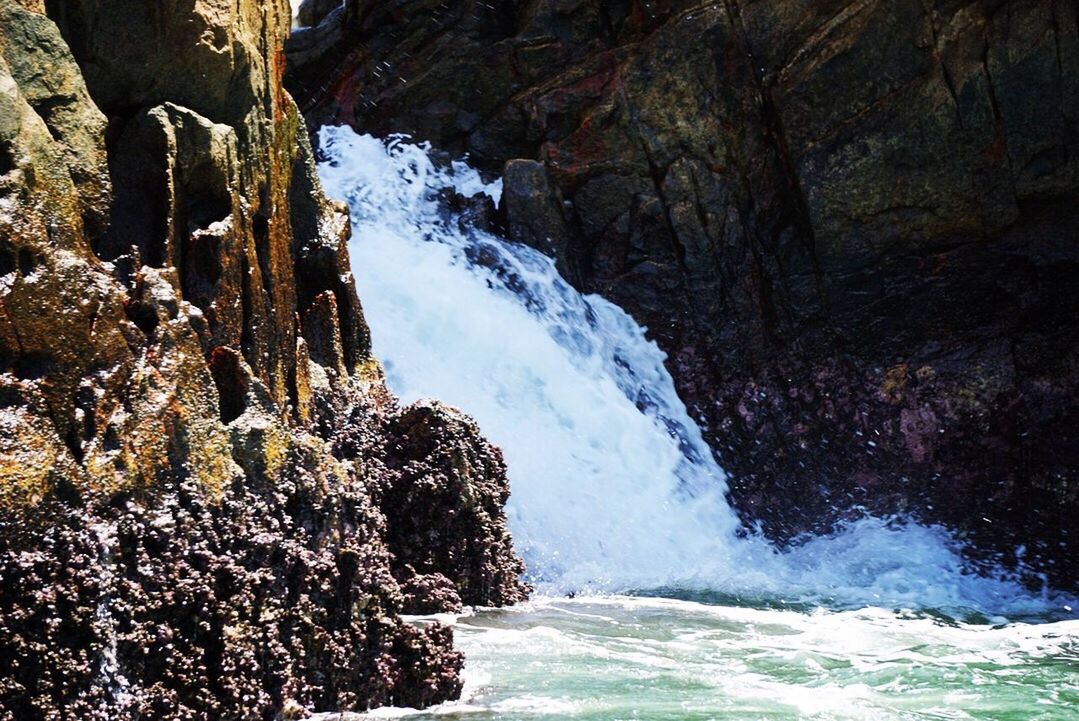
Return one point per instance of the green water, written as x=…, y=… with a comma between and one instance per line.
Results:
x=647, y=658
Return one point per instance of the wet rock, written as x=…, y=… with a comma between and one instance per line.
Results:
x=428, y=593
x=312, y=12
x=442, y=489
x=534, y=210
x=271, y=597
x=444, y=504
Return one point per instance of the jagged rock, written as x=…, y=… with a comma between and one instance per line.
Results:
x=797, y=199
x=48, y=78
x=273, y=596
x=444, y=502
x=429, y=593
x=441, y=488
x=180, y=343
x=533, y=208
x=312, y=12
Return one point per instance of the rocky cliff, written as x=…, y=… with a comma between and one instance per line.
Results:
x=210, y=506
x=850, y=223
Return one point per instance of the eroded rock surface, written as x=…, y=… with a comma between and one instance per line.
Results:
x=182, y=535
x=851, y=224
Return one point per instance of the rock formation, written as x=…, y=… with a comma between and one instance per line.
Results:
x=850, y=223
x=210, y=506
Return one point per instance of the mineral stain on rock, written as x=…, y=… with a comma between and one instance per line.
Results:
x=204, y=482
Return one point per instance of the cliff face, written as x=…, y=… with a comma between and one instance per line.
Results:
x=202, y=476
x=852, y=225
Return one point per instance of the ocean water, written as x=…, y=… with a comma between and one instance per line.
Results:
x=616, y=500
x=652, y=658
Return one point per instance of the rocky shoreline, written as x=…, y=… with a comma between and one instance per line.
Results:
x=851, y=225
x=210, y=505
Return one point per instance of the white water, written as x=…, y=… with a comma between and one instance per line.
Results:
x=598, y=659
x=613, y=487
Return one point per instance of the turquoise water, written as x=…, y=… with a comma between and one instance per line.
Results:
x=658, y=659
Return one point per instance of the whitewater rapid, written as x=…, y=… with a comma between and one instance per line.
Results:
x=613, y=486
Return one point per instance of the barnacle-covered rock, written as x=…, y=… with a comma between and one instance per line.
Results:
x=442, y=489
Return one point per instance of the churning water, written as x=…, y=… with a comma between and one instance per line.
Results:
x=615, y=491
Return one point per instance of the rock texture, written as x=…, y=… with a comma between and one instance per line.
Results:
x=204, y=484
x=851, y=223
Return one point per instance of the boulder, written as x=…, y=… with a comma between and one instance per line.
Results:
x=312, y=12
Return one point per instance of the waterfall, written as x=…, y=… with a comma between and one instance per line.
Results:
x=613, y=486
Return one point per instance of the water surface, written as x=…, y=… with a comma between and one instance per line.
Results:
x=661, y=659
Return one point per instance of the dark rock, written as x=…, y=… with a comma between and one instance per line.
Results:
x=797, y=199
x=429, y=593
x=442, y=490
x=534, y=210
x=444, y=504
x=236, y=608
x=312, y=12
x=480, y=213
